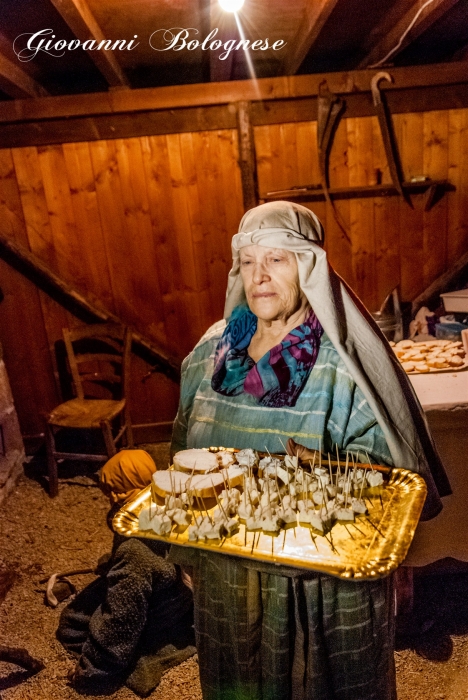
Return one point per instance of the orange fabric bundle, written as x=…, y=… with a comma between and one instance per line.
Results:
x=126, y=474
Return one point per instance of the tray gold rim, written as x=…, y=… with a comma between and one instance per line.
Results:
x=408, y=486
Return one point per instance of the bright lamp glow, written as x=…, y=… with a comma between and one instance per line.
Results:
x=231, y=5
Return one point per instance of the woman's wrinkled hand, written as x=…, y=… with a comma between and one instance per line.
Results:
x=296, y=450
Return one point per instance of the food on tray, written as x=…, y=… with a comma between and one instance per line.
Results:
x=172, y=482
x=429, y=356
x=197, y=461
x=266, y=493
x=169, y=482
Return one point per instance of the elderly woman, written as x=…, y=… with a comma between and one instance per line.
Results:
x=298, y=357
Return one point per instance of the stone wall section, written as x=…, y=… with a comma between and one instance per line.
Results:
x=12, y=454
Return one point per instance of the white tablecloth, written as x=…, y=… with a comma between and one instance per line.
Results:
x=444, y=397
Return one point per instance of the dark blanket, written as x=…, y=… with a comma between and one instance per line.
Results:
x=139, y=609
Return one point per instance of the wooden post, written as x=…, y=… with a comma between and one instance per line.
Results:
x=247, y=159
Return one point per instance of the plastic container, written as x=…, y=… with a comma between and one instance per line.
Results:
x=456, y=302
x=450, y=331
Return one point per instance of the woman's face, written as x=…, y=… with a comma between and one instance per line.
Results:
x=271, y=282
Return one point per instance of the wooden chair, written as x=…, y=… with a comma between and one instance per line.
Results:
x=99, y=362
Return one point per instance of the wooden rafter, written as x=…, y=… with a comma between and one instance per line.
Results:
x=461, y=54
x=81, y=21
x=441, y=284
x=316, y=14
x=15, y=82
x=89, y=310
x=386, y=38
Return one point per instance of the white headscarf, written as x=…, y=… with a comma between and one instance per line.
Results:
x=351, y=329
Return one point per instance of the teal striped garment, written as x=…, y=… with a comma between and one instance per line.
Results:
x=331, y=409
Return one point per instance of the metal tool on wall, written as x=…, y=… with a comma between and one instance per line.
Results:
x=329, y=109
x=388, y=134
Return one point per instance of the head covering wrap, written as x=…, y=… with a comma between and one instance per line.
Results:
x=353, y=332
x=126, y=474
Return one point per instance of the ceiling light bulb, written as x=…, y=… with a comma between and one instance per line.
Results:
x=231, y=5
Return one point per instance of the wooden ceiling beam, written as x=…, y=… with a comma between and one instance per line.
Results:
x=384, y=38
x=81, y=21
x=16, y=83
x=315, y=16
x=205, y=94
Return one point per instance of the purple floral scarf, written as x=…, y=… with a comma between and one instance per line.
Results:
x=279, y=376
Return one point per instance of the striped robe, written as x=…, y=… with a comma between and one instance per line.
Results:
x=273, y=633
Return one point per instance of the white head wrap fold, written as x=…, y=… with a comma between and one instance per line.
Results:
x=351, y=329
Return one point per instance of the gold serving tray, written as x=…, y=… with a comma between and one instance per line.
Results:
x=360, y=551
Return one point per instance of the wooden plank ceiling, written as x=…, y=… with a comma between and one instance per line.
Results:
x=320, y=36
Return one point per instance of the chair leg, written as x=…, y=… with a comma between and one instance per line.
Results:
x=108, y=439
x=51, y=461
x=129, y=431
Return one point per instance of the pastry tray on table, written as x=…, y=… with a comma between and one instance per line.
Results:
x=371, y=548
x=434, y=370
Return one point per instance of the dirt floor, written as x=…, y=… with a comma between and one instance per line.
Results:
x=40, y=536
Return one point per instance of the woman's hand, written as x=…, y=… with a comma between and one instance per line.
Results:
x=296, y=450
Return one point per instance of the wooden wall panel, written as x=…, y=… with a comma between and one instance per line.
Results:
x=457, y=220
x=167, y=261
x=337, y=243
x=143, y=225
x=386, y=224
x=361, y=211
x=391, y=243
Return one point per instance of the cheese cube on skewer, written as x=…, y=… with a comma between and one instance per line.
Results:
x=231, y=526
x=245, y=511
x=291, y=462
x=147, y=514
x=287, y=515
x=225, y=459
x=215, y=532
x=358, y=505
x=289, y=501
x=162, y=525
x=254, y=497
x=204, y=528
x=193, y=533
x=344, y=514
x=305, y=505
x=173, y=502
x=253, y=523
x=271, y=524
x=269, y=497
x=319, y=497
x=181, y=517
x=374, y=478
x=246, y=458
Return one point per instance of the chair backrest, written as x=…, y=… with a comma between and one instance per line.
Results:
x=99, y=359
